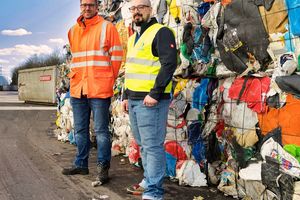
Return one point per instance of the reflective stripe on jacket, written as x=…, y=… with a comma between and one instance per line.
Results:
x=141, y=66
x=96, y=57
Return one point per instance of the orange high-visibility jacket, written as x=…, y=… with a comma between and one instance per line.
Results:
x=96, y=57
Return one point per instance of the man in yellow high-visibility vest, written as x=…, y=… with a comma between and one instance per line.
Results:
x=150, y=64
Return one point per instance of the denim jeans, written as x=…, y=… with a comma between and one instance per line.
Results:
x=148, y=125
x=82, y=109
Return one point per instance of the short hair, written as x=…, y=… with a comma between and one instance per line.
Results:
x=96, y=1
x=144, y=2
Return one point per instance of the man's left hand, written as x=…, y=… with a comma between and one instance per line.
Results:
x=149, y=101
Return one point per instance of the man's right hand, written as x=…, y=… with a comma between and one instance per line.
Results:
x=125, y=105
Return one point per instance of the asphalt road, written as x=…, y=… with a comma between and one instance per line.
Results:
x=28, y=169
x=31, y=160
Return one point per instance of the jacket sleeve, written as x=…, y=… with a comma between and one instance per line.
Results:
x=69, y=36
x=70, y=33
x=124, y=94
x=164, y=47
x=115, y=49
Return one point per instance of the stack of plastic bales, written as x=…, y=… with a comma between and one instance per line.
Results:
x=233, y=120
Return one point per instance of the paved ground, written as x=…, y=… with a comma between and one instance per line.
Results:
x=9, y=101
x=32, y=160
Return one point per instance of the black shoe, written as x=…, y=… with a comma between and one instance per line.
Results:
x=102, y=176
x=75, y=170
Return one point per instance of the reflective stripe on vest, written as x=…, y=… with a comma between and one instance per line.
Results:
x=141, y=67
x=149, y=77
x=141, y=61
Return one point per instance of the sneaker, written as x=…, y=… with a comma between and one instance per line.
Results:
x=102, y=176
x=135, y=190
x=75, y=170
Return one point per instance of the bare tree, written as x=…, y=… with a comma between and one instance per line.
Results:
x=35, y=61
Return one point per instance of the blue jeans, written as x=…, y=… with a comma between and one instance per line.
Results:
x=82, y=109
x=148, y=125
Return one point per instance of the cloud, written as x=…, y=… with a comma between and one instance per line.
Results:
x=12, y=57
x=25, y=50
x=57, y=41
x=6, y=70
x=4, y=61
x=17, y=32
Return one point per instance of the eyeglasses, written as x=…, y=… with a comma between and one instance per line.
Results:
x=138, y=8
x=85, y=5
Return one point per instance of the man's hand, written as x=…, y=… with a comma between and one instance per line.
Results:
x=125, y=106
x=149, y=101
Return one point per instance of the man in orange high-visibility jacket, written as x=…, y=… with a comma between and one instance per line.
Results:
x=96, y=59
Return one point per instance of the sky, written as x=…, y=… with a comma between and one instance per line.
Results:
x=29, y=27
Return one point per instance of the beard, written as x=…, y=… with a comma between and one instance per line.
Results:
x=141, y=19
x=139, y=23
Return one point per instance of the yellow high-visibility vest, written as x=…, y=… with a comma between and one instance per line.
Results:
x=141, y=66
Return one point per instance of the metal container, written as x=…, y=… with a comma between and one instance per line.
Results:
x=38, y=84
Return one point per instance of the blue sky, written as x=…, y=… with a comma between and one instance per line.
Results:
x=29, y=27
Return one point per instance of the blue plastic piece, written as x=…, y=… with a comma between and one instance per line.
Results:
x=293, y=7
